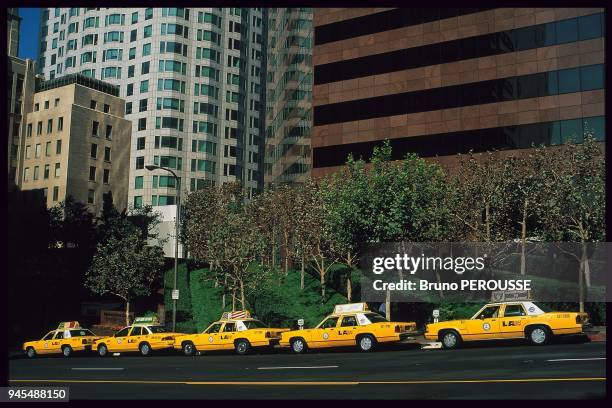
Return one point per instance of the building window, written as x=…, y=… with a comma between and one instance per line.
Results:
x=29, y=130
x=106, y=176
x=107, y=154
x=60, y=124
x=58, y=147
x=28, y=152
x=94, y=151
x=47, y=171
x=48, y=149
x=109, y=132
x=142, y=124
x=137, y=201
x=129, y=90
x=140, y=143
x=140, y=163
x=56, y=102
x=49, y=126
x=93, y=104
x=91, y=196
x=148, y=31
x=39, y=128
x=146, y=50
x=26, y=174
x=134, y=17
x=55, y=193
x=58, y=170
x=128, y=108
x=92, y=173
x=46, y=104
x=35, y=173
x=95, y=129
x=106, y=108
x=148, y=14
x=143, y=105
x=144, y=86
x=138, y=182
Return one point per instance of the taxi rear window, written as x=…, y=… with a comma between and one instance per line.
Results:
x=375, y=318
x=80, y=333
x=158, y=329
x=254, y=324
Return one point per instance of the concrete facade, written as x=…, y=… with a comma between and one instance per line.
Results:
x=545, y=68
x=77, y=143
x=192, y=79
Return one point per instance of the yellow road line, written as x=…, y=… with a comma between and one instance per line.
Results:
x=311, y=383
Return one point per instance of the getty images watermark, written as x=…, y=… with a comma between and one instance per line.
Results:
x=471, y=272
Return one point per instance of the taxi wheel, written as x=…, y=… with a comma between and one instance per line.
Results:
x=242, y=346
x=366, y=342
x=102, y=350
x=450, y=340
x=298, y=345
x=145, y=349
x=67, y=351
x=538, y=335
x=30, y=352
x=189, y=349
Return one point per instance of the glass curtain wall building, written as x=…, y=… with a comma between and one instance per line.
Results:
x=192, y=79
x=289, y=96
x=443, y=81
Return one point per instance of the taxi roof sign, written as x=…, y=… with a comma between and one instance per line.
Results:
x=68, y=325
x=238, y=314
x=146, y=320
x=351, y=307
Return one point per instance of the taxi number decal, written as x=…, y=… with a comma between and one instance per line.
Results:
x=511, y=323
x=342, y=332
x=326, y=336
x=486, y=326
x=210, y=339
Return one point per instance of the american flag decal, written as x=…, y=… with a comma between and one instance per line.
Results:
x=241, y=314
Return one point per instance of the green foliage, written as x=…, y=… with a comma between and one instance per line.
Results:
x=205, y=300
x=184, y=314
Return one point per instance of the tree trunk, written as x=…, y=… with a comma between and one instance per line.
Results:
x=302, y=273
x=233, y=300
x=587, y=268
x=388, y=305
x=242, y=299
x=349, y=289
x=127, y=312
x=523, y=237
x=322, y=275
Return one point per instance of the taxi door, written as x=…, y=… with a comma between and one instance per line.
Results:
x=133, y=339
x=56, y=343
x=513, y=321
x=347, y=330
x=326, y=334
x=45, y=344
x=484, y=326
x=210, y=339
x=118, y=342
x=227, y=335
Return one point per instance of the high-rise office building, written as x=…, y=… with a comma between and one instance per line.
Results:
x=13, y=26
x=192, y=80
x=76, y=142
x=439, y=82
x=289, y=95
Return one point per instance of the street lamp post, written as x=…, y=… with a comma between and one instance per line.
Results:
x=152, y=167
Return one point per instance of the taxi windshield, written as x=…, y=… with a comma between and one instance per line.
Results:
x=254, y=324
x=80, y=333
x=158, y=329
x=375, y=318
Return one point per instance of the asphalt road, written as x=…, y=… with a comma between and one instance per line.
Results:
x=515, y=370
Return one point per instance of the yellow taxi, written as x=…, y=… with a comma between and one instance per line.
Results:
x=145, y=335
x=68, y=338
x=235, y=330
x=508, y=320
x=350, y=325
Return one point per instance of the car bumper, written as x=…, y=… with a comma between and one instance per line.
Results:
x=409, y=337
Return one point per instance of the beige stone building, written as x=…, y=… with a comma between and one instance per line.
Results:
x=76, y=142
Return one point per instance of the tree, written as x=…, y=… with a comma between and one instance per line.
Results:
x=575, y=205
x=125, y=267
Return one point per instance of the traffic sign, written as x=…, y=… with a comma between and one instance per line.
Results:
x=175, y=294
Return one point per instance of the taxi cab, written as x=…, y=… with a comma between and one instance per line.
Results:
x=508, y=320
x=350, y=325
x=235, y=330
x=68, y=338
x=145, y=335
